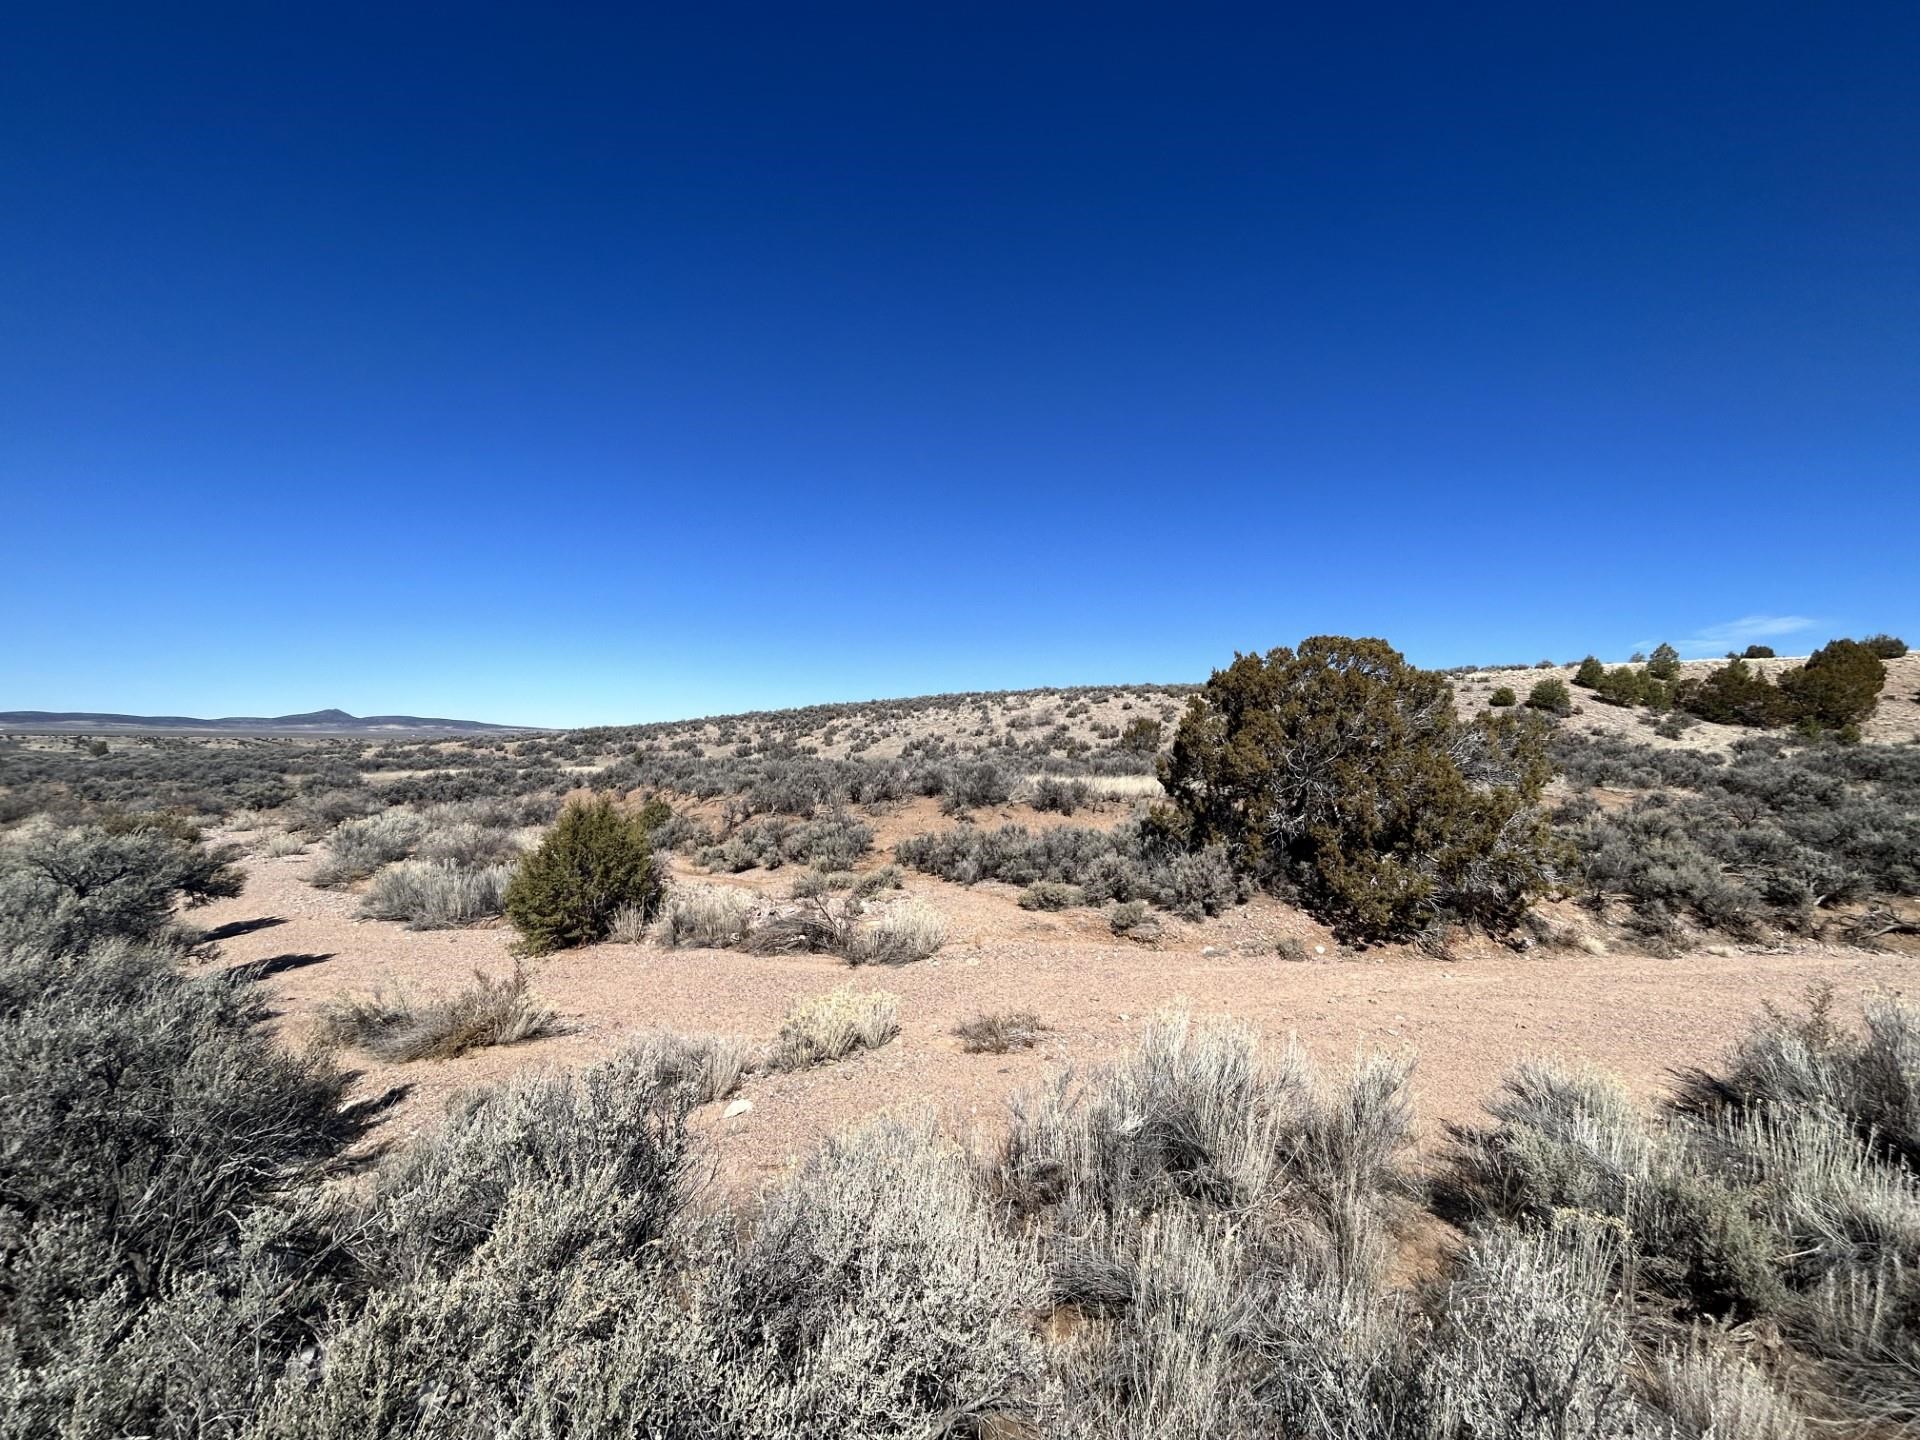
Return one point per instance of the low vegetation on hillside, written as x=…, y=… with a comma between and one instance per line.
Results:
x=1449, y=822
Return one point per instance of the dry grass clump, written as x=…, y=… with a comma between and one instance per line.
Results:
x=898, y=935
x=630, y=925
x=396, y=1029
x=999, y=1032
x=283, y=843
x=832, y=1026
x=704, y=1068
x=705, y=916
x=437, y=894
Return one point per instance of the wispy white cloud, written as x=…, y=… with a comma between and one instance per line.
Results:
x=1738, y=634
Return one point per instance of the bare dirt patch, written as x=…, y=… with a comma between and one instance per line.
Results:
x=1469, y=1020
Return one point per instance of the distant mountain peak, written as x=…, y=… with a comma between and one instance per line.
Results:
x=313, y=722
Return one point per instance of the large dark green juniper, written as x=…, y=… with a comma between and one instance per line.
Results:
x=1343, y=771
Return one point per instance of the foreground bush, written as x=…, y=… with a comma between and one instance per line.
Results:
x=592, y=864
x=1344, y=772
x=63, y=888
x=150, y=1276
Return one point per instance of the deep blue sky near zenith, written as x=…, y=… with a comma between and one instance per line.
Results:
x=566, y=365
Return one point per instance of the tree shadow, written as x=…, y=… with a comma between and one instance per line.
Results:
x=256, y=970
x=235, y=928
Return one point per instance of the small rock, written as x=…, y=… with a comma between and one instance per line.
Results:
x=737, y=1108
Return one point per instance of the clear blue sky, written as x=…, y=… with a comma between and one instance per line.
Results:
x=558, y=365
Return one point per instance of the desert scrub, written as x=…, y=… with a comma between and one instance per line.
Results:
x=861, y=884
x=396, y=1029
x=1768, y=837
x=999, y=1032
x=1125, y=863
x=707, y=916
x=437, y=894
x=595, y=861
x=833, y=1026
x=357, y=848
x=1051, y=895
x=62, y=888
x=897, y=935
x=704, y=1068
x=833, y=842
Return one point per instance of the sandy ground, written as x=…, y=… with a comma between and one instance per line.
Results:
x=1467, y=1020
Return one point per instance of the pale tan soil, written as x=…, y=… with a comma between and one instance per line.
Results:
x=1468, y=1020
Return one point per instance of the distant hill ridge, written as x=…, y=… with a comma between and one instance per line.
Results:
x=314, y=722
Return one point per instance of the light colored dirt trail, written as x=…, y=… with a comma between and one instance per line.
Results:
x=1468, y=1021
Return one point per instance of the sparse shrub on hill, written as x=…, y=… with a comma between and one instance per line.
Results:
x=969, y=787
x=1765, y=838
x=1550, y=696
x=1503, y=697
x=1886, y=647
x=1734, y=694
x=594, y=862
x=1142, y=734
x=1664, y=663
x=1755, y=652
x=1837, y=687
x=1342, y=771
x=1590, y=673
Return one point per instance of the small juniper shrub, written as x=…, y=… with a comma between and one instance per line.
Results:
x=1550, y=696
x=1503, y=697
x=595, y=861
x=1886, y=647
